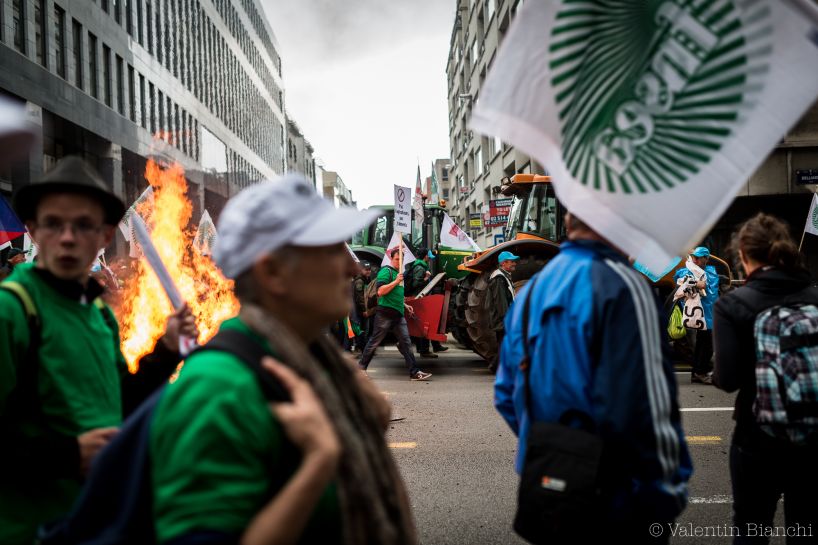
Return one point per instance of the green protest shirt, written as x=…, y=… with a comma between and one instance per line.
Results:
x=218, y=455
x=393, y=299
x=78, y=389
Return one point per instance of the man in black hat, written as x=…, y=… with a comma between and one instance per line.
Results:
x=64, y=384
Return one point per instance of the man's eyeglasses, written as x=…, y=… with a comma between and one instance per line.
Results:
x=55, y=228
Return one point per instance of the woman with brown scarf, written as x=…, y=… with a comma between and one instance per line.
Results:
x=230, y=468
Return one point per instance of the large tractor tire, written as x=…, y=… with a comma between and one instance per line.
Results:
x=484, y=340
x=459, y=327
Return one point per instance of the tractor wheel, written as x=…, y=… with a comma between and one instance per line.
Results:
x=459, y=326
x=484, y=340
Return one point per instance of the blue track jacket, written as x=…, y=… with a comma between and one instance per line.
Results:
x=595, y=344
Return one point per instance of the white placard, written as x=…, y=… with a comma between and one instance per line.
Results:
x=403, y=209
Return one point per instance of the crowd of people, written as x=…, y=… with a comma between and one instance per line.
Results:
x=287, y=444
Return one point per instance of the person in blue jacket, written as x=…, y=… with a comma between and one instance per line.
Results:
x=595, y=343
x=703, y=351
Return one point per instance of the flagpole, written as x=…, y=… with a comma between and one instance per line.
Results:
x=802, y=240
x=400, y=255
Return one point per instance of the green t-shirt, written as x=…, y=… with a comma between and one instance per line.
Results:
x=393, y=299
x=79, y=389
x=218, y=454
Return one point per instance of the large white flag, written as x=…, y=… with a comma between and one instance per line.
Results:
x=650, y=116
x=812, y=218
x=408, y=256
x=454, y=237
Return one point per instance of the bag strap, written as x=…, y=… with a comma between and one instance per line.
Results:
x=250, y=352
x=525, y=363
x=28, y=370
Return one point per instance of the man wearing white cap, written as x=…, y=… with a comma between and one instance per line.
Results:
x=228, y=467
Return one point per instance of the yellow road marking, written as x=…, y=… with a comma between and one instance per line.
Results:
x=409, y=444
x=702, y=439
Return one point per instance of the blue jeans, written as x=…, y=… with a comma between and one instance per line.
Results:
x=386, y=321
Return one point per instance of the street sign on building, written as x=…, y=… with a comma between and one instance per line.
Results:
x=475, y=221
x=499, y=210
x=806, y=177
x=403, y=209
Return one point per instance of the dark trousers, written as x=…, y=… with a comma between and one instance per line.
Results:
x=703, y=353
x=759, y=476
x=423, y=344
x=384, y=323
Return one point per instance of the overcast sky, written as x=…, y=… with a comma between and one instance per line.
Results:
x=365, y=80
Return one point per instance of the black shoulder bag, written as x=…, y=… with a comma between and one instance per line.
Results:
x=559, y=483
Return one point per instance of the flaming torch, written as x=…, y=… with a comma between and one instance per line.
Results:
x=199, y=282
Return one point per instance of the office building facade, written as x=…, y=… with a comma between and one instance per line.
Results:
x=196, y=82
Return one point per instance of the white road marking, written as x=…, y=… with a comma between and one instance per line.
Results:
x=705, y=409
x=719, y=498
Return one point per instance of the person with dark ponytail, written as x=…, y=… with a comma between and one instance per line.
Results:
x=765, y=336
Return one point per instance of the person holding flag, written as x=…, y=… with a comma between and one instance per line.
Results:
x=64, y=383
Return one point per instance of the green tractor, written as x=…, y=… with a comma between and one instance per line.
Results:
x=370, y=244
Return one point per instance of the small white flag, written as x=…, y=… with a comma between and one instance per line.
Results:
x=408, y=256
x=454, y=237
x=124, y=225
x=206, y=234
x=30, y=248
x=812, y=218
x=650, y=116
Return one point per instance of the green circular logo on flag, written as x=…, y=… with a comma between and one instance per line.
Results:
x=815, y=217
x=649, y=91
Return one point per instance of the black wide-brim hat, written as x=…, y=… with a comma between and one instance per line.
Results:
x=71, y=174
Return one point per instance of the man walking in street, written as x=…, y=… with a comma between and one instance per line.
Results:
x=64, y=384
x=499, y=296
x=389, y=316
x=594, y=346
x=419, y=276
x=706, y=281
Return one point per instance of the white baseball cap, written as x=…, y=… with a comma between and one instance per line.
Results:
x=276, y=213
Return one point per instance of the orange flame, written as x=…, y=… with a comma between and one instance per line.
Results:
x=146, y=308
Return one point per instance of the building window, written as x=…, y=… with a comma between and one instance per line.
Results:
x=161, y=102
x=149, y=21
x=106, y=75
x=59, y=39
x=142, y=101
x=92, y=65
x=152, y=107
x=104, y=5
x=139, y=21
x=39, y=32
x=117, y=7
x=76, y=29
x=129, y=17
x=132, y=93
x=120, y=85
x=18, y=15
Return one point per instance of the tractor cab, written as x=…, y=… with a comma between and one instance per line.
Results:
x=535, y=210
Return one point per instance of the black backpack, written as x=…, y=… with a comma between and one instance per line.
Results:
x=115, y=506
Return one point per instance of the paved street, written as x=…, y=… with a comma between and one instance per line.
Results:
x=456, y=453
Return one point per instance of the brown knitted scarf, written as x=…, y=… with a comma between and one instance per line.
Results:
x=374, y=503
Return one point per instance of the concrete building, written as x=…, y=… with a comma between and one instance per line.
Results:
x=336, y=190
x=198, y=82
x=478, y=164
x=441, y=173
x=299, y=152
